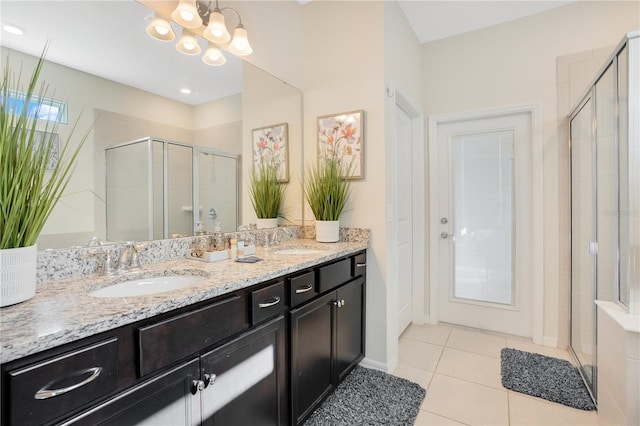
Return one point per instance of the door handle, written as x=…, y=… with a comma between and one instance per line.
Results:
x=445, y=235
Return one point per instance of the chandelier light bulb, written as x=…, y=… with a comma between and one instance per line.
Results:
x=213, y=56
x=188, y=44
x=160, y=29
x=186, y=14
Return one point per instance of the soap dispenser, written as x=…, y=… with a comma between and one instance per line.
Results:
x=218, y=238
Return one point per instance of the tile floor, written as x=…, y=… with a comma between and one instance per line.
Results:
x=460, y=369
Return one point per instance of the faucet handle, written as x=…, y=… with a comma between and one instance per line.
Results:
x=136, y=248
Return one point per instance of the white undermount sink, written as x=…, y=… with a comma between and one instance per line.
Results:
x=297, y=250
x=148, y=286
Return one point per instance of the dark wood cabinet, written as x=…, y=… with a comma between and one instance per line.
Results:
x=245, y=378
x=265, y=355
x=168, y=399
x=327, y=342
x=311, y=355
x=349, y=331
x=44, y=391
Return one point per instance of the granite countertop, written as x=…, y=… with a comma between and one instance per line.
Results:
x=62, y=311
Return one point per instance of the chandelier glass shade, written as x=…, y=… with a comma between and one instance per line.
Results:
x=161, y=29
x=191, y=15
x=186, y=14
x=188, y=44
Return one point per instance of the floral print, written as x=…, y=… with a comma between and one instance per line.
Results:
x=341, y=136
x=270, y=147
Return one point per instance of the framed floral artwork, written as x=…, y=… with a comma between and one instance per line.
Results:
x=270, y=143
x=342, y=135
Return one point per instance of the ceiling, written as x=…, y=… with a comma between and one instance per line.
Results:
x=108, y=39
x=114, y=34
x=434, y=20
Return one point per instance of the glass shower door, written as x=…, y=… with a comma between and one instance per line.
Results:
x=218, y=191
x=583, y=243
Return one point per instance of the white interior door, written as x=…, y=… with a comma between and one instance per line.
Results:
x=404, y=217
x=484, y=223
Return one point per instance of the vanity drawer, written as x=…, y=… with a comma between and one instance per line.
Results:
x=49, y=389
x=267, y=302
x=333, y=275
x=168, y=341
x=359, y=264
x=302, y=288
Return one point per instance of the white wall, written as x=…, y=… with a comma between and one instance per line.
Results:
x=515, y=63
x=403, y=77
x=343, y=69
x=268, y=101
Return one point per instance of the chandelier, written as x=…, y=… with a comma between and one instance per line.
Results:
x=191, y=15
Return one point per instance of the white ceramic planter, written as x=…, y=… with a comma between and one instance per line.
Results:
x=267, y=223
x=17, y=274
x=327, y=231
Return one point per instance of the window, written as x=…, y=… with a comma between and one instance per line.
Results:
x=39, y=108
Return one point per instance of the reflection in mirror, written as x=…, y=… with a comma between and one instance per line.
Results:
x=152, y=186
x=122, y=110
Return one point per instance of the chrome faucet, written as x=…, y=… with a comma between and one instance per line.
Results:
x=274, y=235
x=129, y=259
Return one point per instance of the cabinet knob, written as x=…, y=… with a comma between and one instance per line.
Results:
x=209, y=379
x=197, y=385
x=339, y=303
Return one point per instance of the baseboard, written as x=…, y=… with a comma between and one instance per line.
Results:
x=427, y=320
x=375, y=365
x=550, y=341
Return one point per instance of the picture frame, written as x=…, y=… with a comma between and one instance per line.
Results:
x=342, y=134
x=272, y=142
x=49, y=138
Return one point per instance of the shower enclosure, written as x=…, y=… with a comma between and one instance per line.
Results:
x=604, y=197
x=157, y=189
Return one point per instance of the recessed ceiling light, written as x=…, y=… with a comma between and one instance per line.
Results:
x=185, y=91
x=12, y=29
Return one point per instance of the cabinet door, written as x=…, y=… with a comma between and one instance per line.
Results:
x=163, y=400
x=349, y=327
x=311, y=355
x=249, y=388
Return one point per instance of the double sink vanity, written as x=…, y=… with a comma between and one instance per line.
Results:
x=188, y=342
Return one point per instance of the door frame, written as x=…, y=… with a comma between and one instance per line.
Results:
x=533, y=110
x=396, y=99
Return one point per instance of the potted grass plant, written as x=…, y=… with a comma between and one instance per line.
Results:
x=266, y=193
x=327, y=191
x=31, y=183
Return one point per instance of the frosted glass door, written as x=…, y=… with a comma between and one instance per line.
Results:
x=483, y=217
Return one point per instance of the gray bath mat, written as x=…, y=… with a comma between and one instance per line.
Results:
x=545, y=377
x=370, y=397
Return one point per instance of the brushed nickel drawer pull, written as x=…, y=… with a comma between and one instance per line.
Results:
x=45, y=393
x=270, y=303
x=360, y=265
x=304, y=289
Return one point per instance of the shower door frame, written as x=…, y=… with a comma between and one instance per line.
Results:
x=592, y=384
x=196, y=150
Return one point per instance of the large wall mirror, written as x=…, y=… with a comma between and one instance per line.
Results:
x=128, y=87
